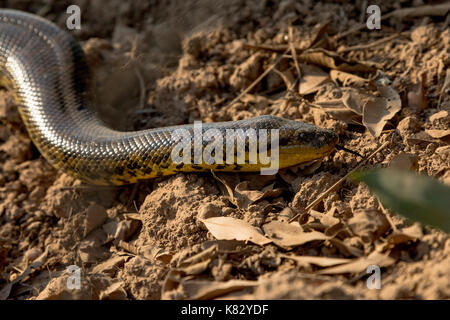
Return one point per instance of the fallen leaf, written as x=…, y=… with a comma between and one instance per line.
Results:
x=199, y=262
x=355, y=99
x=114, y=291
x=339, y=111
x=312, y=78
x=347, y=79
x=326, y=219
x=404, y=161
x=334, y=61
x=404, y=235
x=226, y=186
x=245, y=197
x=110, y=266
x=286, y=234
x=346, y=249
x=126, y=228
x=379, y=110
x=205, y=290
x=368, y=224
x=420, y=137
x=360, y=264
x=36, y=264
x=421, y=11
x=287, y=76
x=227, y=228
x=318, y=261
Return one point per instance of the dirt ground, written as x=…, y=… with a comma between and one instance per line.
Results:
x=159, y=63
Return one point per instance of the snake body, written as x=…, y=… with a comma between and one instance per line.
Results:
x=47, y=72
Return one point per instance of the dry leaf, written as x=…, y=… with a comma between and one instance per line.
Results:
x=378, y=111
x=198, y=262
x=347, y=79
x=346, y=249
x=110, y=266
x=318, y=261
x=421, y=11
x=245, y=197
x=226, y=186
x=360, y=264
x=326, y=219
x=355, y=99
x=334, y=61
x=227, y=228
x=154, y=253
x=368, y=224
x=339, y=111
x=419, y=137
x=404, y=161
x=202, y=290
x=115, y=291
x=39, y=262
x=196, y=268
x=287, y=76
x=404, y=235
x=290, y=234
x=312, y=78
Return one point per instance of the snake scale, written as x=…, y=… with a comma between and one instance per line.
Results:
x=45, y=69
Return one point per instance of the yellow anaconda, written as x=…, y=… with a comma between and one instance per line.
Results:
x=46, y=70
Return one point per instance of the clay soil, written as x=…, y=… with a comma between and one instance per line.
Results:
x=159, y=63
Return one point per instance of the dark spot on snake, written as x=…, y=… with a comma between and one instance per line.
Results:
x=179, y=166
x=119, y=170
x=147, y=170
x=284, y=141
x=237, y=167
x=164, y=165
x=132, y=173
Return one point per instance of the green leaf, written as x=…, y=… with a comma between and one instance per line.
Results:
x=417, y=197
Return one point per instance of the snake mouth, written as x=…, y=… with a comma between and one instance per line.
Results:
x=323, y=142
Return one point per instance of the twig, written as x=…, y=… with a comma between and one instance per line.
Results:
x=293, y=51
x=254, y=83
x=275, y=48
x=369, y=45
x=338, y=183
x=420, y=11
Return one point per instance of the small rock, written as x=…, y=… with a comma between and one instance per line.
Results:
x=408, y=125
x=208, y=210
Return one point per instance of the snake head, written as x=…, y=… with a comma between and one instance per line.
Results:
x=300, y=142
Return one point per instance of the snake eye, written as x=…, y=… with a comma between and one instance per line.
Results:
x=301, y=136
x=284, y=141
